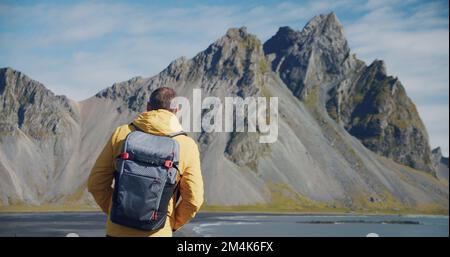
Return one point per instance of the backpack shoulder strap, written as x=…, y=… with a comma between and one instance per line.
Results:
x=135, y=127
x=177, y=134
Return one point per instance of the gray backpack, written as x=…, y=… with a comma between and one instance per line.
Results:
x=145, y=180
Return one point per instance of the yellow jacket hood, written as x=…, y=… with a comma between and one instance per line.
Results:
x=158, y=122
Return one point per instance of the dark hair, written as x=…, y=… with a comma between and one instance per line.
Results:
x=161, y=98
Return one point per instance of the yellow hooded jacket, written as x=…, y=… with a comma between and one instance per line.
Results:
x=158, y=122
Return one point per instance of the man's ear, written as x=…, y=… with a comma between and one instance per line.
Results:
x=149, y=107
x=175, y=110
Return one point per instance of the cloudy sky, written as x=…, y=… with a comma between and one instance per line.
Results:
x=77, y=48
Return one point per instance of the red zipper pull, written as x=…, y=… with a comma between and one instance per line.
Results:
x=154, y=215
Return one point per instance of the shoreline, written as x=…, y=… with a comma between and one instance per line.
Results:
x=232, y=213
x=207, y=224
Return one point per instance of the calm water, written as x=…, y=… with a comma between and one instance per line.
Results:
x=226, y=224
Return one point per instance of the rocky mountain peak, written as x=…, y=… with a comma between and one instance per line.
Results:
x=375, y=108
x=9, y=76
x=233, y=55
x=284, y=38
x=318, y=54
x=324, y=25
x=324, y=35
x=237, y=33
x=378, y=67
x=27, y=105
x=320, y=32
x=237, y=58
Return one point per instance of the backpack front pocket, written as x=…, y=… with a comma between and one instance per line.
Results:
x=138, y=196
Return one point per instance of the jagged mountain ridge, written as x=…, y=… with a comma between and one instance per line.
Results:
x=315, y=161
x=371, y=105
x=374, y=108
